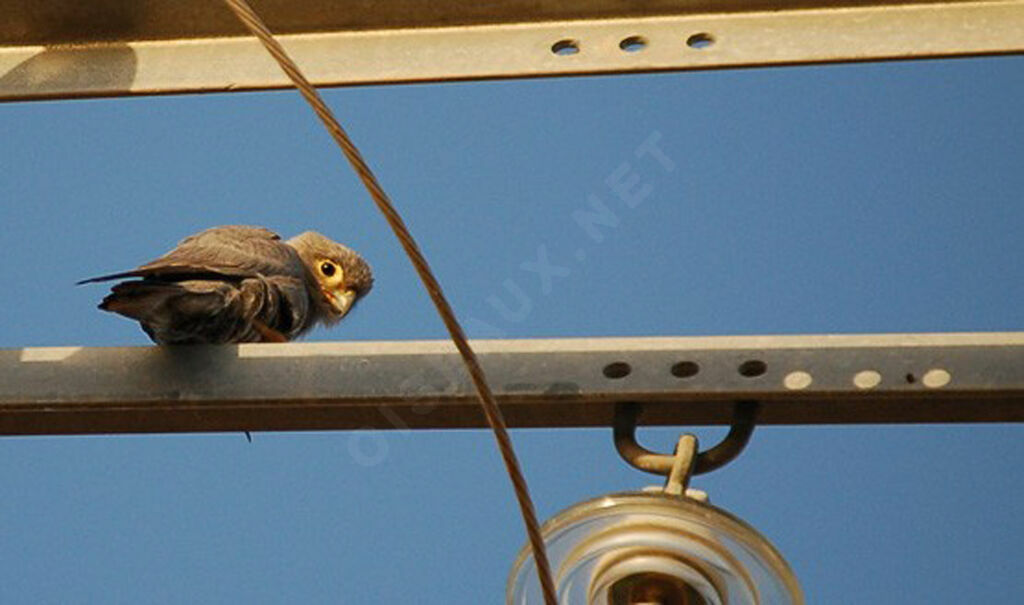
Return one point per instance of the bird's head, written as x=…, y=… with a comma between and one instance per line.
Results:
x=341, y=275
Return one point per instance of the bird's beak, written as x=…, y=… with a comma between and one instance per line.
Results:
x=342, y=301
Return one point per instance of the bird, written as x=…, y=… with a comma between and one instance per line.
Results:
x=236, y=283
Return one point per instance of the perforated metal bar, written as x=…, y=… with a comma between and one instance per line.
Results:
x=823, y=379
x=62, y=49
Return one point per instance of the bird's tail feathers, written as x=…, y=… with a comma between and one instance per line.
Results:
x=171, y=272
x=139, y=299
x=112, y=276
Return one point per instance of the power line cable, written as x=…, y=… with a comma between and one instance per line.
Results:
x=255, y=24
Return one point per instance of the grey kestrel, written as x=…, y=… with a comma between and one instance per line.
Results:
x=240, y=284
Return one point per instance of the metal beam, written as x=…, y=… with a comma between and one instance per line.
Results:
x=831, y=379
x=65, y=48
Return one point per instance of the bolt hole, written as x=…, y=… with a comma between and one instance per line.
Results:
x=633, y=44
x=618, y=369
x=910, y=378
x=753, y=368
x=700, y=41
x=565, y=47
x=685, y=369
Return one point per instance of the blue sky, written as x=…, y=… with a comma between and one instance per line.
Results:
x=855, y=198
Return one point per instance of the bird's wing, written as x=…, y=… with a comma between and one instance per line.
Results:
x=231, y=252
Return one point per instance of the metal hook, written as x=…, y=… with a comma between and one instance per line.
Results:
x=626, y=415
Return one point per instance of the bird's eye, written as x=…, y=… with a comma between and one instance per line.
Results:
x=328, y=269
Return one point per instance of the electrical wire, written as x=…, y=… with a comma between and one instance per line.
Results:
x=255, y=24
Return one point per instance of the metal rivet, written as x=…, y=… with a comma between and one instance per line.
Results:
x=936, y=378
x=798, y=380
x=867, y=379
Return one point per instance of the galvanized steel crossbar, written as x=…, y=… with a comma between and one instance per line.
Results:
x=64, y=49
x=816, y=379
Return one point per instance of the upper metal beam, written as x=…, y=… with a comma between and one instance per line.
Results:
x=64, y=48
x=540, y=383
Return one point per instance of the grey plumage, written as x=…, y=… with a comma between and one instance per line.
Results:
x=240, y=284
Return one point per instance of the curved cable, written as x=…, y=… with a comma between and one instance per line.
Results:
x=257, y=27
